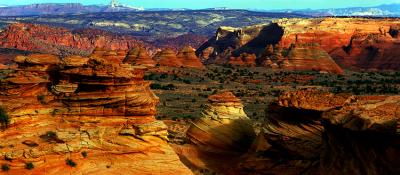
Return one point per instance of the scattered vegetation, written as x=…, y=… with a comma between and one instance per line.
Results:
x=41, y=99
x=4, y=118
x=5, y=167
x=70, y=163
x=84, y=154
x=29, y=166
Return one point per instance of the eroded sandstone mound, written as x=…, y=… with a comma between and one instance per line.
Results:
x=140, y=57
x=87, y=117
x=223, y=126
x=61, y=41
x=189, y=59
x=167, y=57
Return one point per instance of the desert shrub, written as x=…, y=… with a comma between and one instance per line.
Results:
x=70, y=163
x=5, y=167
x=162, y=87
x=187, y=82
x=4, y=118
x=29, y=166
x=84, y=154
x=41, y=99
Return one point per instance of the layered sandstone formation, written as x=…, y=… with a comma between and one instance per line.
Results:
x=167, y=57
x=61, y=41
x=309, y=57
x=140, y=57
x=90, y=111
x=223, y=126
x=189, y=59
x=258, y=46
x=356, y=43
x=353, y=42
x=362, y=137
x=315, y=132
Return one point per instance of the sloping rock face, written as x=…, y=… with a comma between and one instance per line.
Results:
x=140, y=57
x=223, y=126
x=95, y=113
x=60, y=41
x=314, y=132
x=167, y=57
x=356, y=43
x=309, y=57
x=189, y=59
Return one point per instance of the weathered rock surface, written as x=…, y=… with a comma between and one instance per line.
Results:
x=316, y=132
x=353, y=42
x=189, y=59
x=362, y=137
x=356, y=43
x=258, y=46
x=60, y=41
x=97, y=113
x=140, y=57
x=167, y=57
x=223, y=126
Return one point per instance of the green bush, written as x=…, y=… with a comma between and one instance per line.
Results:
x=41, y=99
x=4, y=118
x=29, y=166
x=84, y=154
x=5, y=167
x=70, y=163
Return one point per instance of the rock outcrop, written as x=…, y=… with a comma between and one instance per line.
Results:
x=189, y=59
x=309, y=57
x=167, y=57
x=223, y=126
x=87, y=117
x=258, y=46
x=61, y=41
x=362, y=137
x=140, y=57
x=356, y=43
x=315, y=132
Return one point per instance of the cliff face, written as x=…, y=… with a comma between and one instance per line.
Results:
x=95, y=113
x=58, y=41
x=352, y=42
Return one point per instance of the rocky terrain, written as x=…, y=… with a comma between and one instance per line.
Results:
x=61, y=41
x=309, y=44
x=156, y=24
x=82, y=116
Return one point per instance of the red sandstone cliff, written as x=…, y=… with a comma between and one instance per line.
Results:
x=61, y=41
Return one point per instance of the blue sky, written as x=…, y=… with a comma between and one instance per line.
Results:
x=194, y=4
